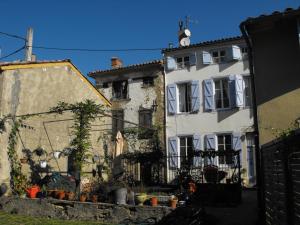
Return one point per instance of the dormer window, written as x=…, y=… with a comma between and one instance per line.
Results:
x=148, y=81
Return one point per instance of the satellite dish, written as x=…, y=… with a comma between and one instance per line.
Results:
x=187, y=32
x=185, y=41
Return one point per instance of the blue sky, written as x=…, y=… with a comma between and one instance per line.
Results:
x=115, y=24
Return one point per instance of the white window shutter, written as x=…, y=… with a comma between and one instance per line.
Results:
x=210, y=144
x=206, y=58
x=197, y=147
x=195, y=96
x=236, y=52
x=171, y=63
x=171, y=99
x=236, y=90
x=193, y=59
x=237, y=144
x=173, y=152
x=209, y=92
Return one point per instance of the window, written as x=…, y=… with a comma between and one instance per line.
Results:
x=219, y=56
x=119, y=90
x=244, y=51
x=117, y=122
x=186, y=151
x=105, y=85
x=247, y=91
x=183, y=62
x=148, y=81
x=184, y=92
x=145, y=121
x=222, y=94
x=224, y=143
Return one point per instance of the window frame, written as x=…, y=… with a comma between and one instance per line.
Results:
x=248, y=78
x=123, y=95
x=148, y=84
x=183, y=62
x=224, y=144
x=185, y=158
x=222, y=94
x=219, y=59
x=188, y=96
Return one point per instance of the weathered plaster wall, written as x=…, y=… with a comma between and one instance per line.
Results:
x=36, y=90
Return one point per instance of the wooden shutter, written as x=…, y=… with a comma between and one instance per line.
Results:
x=206, y=58
x=171, y=98
x=195, y=96
x=197, y=147
x=235, y=52
x=173, y=152
x=209, y=103
x=171, y=63
x=237, y=144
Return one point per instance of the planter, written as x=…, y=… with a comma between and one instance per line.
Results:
x=154, y=201
x=173, y=203
x=61, y=195
x=32, y=191
x=94, y=198
x=121, y=196
x=83, y=197
x=141, y=198
x=70, y=196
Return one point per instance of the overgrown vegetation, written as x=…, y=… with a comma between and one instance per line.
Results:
x=83, y=113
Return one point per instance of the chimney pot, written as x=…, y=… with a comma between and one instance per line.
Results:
x=116, y=62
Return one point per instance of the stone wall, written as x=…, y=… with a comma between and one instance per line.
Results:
x=70, y=210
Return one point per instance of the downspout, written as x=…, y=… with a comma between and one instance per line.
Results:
x=258, y=157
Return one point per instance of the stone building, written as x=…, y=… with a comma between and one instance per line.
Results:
x=208, y=103
x=137, y=96
x=33, y=88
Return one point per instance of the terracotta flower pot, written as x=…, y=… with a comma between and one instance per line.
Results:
x=154, y=201
x=70, y=196
x=173, y=203
x=61, y=195
x=94, y=198
x=83, y=197
x=32, y=191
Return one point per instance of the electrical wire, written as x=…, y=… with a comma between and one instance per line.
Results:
x=14, y=52
x=96, y=50
x=13, y=36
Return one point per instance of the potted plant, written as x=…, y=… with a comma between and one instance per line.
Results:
x=33, y=190
x=173, y=202
x=154, y=201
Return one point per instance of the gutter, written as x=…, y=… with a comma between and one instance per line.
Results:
x=258, y=157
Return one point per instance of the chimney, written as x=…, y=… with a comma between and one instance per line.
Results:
x=116, y=62
x=29, y=40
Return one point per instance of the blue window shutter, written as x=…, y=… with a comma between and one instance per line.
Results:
x=171, y=63
x=209, y=103
x=236, y=92
x=239, y=91
x=197, y=148
x=173, y=152
x=206, y=58
x=210, y=144
x=195, y=96
x=250, y=162
x=171, y=98
x=192, y=59
x=235, y=52
x=237, y=144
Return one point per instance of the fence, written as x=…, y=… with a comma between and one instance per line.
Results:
x=202, y=167
x=281, y=181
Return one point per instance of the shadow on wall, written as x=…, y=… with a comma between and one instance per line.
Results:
x=224, y=66
x=222, y=115
x=3, y=189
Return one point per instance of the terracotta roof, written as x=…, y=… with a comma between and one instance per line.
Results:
x=126, y=68
x=274, y=15
x=205, y=43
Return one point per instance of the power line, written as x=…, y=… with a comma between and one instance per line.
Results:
x=14, y=52
x=96, y=50
x=13, y=36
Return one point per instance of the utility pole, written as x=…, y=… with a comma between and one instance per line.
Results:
x=28, y=48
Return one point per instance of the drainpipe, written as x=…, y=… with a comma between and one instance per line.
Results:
x=258, y=157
